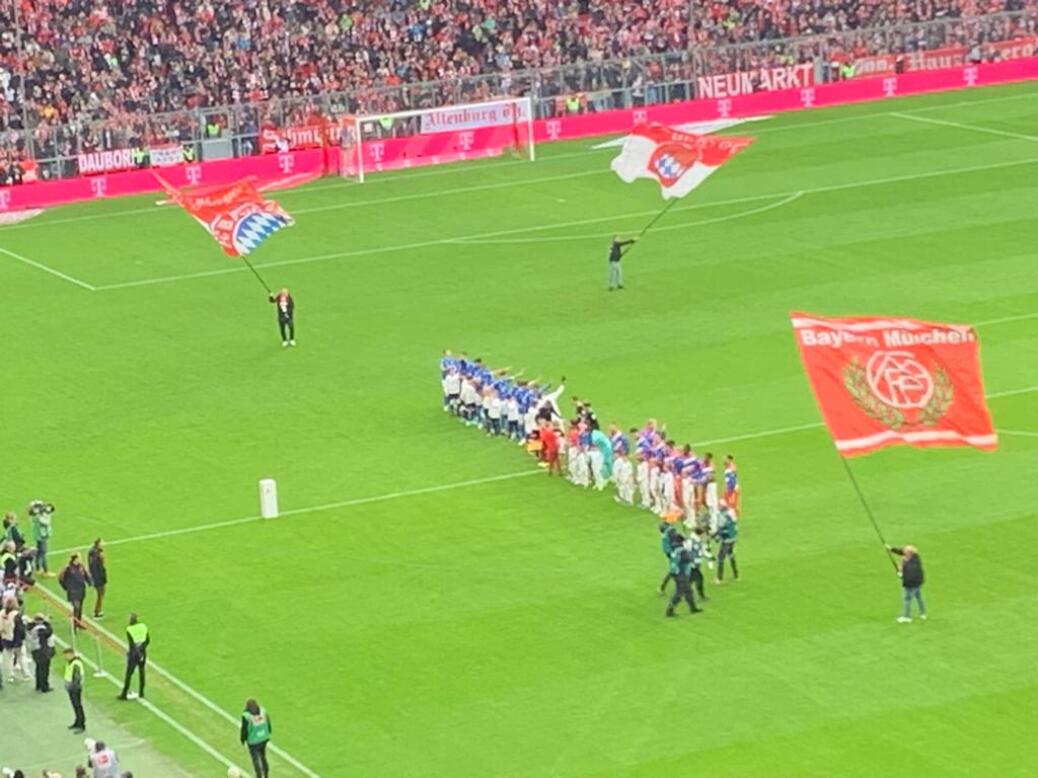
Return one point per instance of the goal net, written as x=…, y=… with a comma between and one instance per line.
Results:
x=434, y=136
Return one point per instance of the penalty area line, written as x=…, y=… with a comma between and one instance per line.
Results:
x=52, y=271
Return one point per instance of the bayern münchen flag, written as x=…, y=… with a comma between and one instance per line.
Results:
x=885, y=381
x=236, y=215
x=680, y=161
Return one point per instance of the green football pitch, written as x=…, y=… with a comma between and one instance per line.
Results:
x=425, y=608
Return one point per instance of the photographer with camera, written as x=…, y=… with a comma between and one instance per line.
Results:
x=40, y=513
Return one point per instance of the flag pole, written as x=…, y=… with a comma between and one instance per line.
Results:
x=258, y=276
x=655, y=219
x=868, y=510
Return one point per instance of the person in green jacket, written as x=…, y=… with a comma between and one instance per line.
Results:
x=255, y=733
x=681, y=569
x=728, y=533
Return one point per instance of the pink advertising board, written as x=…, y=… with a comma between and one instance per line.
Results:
x=437, y=148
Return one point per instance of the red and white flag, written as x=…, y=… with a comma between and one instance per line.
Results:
x=680, y=161
x=237, y=216
x=890, y=381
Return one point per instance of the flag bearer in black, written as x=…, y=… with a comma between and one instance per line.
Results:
x=286, y=308
x=681, y=569
x=616, y=252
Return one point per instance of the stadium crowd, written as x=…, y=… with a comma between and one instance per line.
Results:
x=87, y=59
x=645, y=466
x=101, y=762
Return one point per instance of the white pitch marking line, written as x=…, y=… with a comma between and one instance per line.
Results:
x=1023, y=433
x=147, y=704
x=52, y=271
x=388, y=179
x=448, y=487
x=689, y=225
x=314, y=508
x=960, y=126
x=577, y=223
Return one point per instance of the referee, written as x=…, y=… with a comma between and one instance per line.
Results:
x=286, y=308
x=616, y=275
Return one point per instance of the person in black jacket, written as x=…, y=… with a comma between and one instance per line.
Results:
x=74, y=579
x=616, y=252
x=286, y=308
x=911, y=573
x=99, y=575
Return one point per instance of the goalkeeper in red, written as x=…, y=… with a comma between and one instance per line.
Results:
x=286, y=308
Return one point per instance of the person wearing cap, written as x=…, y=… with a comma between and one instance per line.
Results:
x=286, y=308
x=911, y=572
x=41, y=646
x=255, y=734
x=75, y=675
x=137, y=641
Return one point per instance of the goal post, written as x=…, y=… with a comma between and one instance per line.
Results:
x=435, y=136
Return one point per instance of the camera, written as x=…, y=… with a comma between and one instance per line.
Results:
x=40, y=508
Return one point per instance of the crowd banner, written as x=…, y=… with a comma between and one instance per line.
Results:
x=110, y=178
x=947, y=57
x=450, y=118
x=765, y=79
x=166, y=156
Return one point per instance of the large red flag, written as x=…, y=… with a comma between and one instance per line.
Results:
x=890, y=381
x=236, y=215
x=679, y=161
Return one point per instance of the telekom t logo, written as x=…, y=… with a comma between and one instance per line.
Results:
x=890, y=86
x=193, y=173
x=465, y=140
x=554, y=128
x=807, y=97
x=378, y=151
x=5, y=199
x=970, y=76
x=724, y=108
x=286, y=162
x=640, y=116
x=98, y=186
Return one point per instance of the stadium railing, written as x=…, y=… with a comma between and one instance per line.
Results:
x=243, y=129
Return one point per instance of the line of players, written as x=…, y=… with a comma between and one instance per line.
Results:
x=671, y=481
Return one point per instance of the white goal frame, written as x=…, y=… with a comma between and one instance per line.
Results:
x=352, y=136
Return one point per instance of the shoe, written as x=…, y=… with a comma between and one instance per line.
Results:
x=73, y=726
x=99, y=615
x=719, y=582
x=696, y=610
x=620, y=287
x=78, y=730
x=922, y=616
x=284, y=344
x=132, y=696
x=670, y=614
x=122, y=697
x=904, y=620
x=291, y=342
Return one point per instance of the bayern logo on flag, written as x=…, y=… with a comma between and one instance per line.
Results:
x=670, y=161
x=254, y=227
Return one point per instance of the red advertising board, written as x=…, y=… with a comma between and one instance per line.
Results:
x=396, y=152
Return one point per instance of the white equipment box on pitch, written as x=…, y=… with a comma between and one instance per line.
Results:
x=268, y=490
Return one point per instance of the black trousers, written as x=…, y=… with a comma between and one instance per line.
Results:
x=41, y=658
x=287, y=328
x=258, y=752
x=134, y=662
x=697, y=580
x=727, y=552
x=663, y=584
x=684, y=592
x=75, y=696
